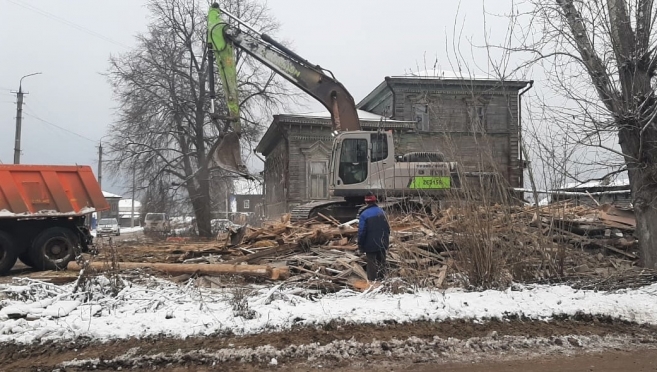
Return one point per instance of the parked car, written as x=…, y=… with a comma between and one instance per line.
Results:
x=156, y=223
x=222, y=225
x=108, y=226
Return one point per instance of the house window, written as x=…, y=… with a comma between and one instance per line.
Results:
x=318, y=180
x=477, y=116
x=422, y=117
x=247, y=204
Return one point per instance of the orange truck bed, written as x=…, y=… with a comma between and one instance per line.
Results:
x=49, y=190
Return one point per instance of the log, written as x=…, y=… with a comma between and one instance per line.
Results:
x=263, y=271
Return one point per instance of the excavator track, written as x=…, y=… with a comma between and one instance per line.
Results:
x=338, y=209
x=344, y=211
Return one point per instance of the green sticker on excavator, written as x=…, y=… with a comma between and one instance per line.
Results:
x=430, y=182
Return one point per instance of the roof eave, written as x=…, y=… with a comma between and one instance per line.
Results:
x=455, y=81
x=378, y=94
x=270, y=138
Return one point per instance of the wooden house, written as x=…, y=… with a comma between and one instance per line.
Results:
x=472, y=121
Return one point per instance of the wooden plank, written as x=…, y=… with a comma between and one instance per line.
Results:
x=341, y=247
x=269, y=252
x=616, y=250
x=618, y=216
x=329, y=219
x=358, y=270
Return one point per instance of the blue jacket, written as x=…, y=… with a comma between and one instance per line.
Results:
x=373, y=230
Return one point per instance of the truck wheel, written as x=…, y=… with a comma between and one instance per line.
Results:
x=53, y=249
x=8, y=255
x=26, y=259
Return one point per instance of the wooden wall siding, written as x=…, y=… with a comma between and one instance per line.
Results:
x=491, y=146
x=254, y=202
x=276, y=182
x=486, y=153
x=452, y=130
x=617, y=200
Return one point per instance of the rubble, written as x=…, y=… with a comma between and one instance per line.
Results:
x=536, y=244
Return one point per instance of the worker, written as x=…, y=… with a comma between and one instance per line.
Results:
x=373, y=237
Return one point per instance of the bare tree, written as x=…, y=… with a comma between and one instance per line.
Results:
x=164, y=130
x=600, y=56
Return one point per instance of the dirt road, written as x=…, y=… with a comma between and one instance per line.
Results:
x=568, y=345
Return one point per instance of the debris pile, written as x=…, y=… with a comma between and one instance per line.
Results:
x=555, y=241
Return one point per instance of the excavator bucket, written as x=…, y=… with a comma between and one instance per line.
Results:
x=228, y=154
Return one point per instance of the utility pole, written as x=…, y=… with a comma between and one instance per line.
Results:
x=100, y=164
x=227, y=204
x=132, y=209
x=19, y=119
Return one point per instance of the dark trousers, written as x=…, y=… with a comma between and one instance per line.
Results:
x=376, y=265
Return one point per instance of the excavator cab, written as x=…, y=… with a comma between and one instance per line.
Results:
x=362, y=161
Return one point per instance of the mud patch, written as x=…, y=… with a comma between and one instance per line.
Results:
x=335, y=344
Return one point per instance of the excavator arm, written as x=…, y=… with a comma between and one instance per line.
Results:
x=312, y=79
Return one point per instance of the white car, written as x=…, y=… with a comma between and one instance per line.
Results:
x=156, y=223
x=108, y=226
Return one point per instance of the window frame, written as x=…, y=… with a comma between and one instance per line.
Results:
x=324, y=176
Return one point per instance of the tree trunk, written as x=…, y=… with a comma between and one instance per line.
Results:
x=204, y=216
x=641, y=156
x=646, y=231
x=644, y=193
x=200, y=199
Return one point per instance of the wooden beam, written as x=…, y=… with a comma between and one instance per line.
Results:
x=263, y=271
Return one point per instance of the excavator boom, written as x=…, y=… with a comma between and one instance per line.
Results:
x=228, y=153
x=312, y=79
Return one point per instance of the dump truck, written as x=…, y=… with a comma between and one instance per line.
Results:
x=44, y=214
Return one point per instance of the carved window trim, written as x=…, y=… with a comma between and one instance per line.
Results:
x=318, y=152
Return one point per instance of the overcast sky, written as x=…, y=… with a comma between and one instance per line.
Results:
x=69, y=107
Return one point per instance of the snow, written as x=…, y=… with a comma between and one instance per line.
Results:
x=444, y=74
x=590, y=184
x=110, y=195
x=125, y=206
x=128, y=230
x=157, y=307
x=83, y=211
x=362, y=115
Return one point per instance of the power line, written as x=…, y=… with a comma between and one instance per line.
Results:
x=67, y=22
x=61, y=128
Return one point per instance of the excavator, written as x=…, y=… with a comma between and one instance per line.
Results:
x=360, y=162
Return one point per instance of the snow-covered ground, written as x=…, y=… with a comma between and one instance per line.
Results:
x=36, y=311
x=129, y=230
